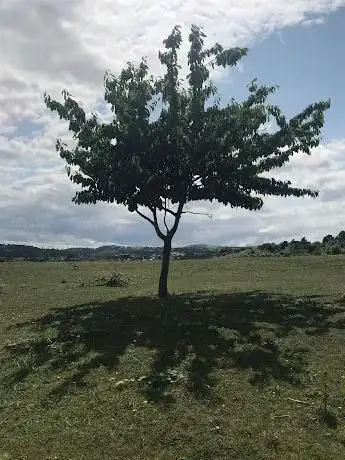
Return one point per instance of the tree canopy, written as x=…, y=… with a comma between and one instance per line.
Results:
x=171, y=141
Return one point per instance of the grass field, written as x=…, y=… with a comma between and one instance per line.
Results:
x=245, y=361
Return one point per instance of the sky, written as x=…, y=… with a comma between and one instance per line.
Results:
x=47, y=45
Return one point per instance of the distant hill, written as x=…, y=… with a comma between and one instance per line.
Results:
x=329, y=245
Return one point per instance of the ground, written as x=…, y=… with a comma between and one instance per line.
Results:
x=244, y=361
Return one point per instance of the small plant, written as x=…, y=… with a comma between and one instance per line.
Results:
x=113, y=279
x=79, y=283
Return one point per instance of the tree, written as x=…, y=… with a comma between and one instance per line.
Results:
x=304, y=243
x=341, y=238
x=284, y=244
x=328, y=239
x=270, y=247
x=334, y=250
x=171, y=141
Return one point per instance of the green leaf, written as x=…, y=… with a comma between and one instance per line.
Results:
x=171, y=141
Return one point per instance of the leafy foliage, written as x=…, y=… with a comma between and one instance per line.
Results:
x=194, y=149
x=112, y=279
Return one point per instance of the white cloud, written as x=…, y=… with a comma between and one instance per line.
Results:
x=47, y=45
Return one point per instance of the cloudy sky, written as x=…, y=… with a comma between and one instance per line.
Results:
x=48, y=45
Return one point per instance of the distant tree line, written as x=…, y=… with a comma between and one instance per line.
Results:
x=330, y=245
x=33, y=253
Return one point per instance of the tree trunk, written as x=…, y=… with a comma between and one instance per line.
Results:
x=163, y=279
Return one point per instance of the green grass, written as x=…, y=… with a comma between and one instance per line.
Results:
x=245, y=361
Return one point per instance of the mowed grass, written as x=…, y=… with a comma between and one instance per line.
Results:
x=245, y=361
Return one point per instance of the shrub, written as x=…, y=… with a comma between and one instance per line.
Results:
x=112, y=279
x=334, y=250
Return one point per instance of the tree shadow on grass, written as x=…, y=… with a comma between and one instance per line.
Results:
x=192, y=335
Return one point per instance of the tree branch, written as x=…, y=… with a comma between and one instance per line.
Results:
x=198, y=213
x=165, y=208
x=153, y=222
x=156, y=225
x=196, y=178
x=173, y=213
x=165, y=216
x=145, y=217
x=177, y=219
